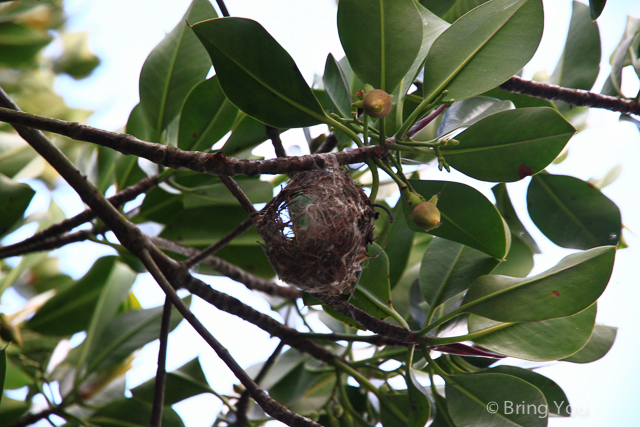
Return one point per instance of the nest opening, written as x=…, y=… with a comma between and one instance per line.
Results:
x=316, y=231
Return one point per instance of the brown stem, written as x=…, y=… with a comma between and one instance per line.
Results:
x=223, y=8
x=23, y=248
x=213, y=164
x=422, y=123
x=237, y=192
x=580, y=98
x=243, y=403
x=274, y=136
x=33, y=418
x=200, y=256
x=161, y=373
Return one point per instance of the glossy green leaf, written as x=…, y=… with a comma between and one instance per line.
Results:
x=432, y=27
x=572, y=213
x=159, y=206
x=247, y=133
x=579, y=65
x=207, y=116
x=510, y=145
x=217, y=194
x=448, y=268
x=15, y=377
x=14, y=199
x=392, y=30
x=460, y=7
x=373, y=287
x=519, y=261
x=472, y=400
x=618, y=63
x=438, y=7
x=127, y=171
x=504, y=205
x=402, y=402
x=125, y=333
x=398, y=245
x=106, y=166
x=484, y=48
x=420, y=406
x=71, y=309
x=12, y=410
x=574, y=284
x=555, y=397
x=303, y=391
x=257, y=74
x=467, y=217
x=187, y=381
x=595, y=7
x=116, y=288
x=336, y=88
x=599, y=344
x=249, y=257
x=537, y=341
x=172, y=69
x=132, y=413
x=467, y=112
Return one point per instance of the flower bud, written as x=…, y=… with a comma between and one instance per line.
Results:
x=426, y=216
x=377, y=103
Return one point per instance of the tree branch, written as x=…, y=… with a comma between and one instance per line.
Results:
x=172, y=157
x=49, y=244
x=580, y=98
x=202, y=255
x=161, y=373
x=274, y=136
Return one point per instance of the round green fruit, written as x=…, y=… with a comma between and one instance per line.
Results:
x=426, y=216
x=377, y=103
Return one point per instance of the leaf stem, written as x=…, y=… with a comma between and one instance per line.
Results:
x=469, y=337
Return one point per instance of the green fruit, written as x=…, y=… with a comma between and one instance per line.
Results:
x=377, y=103
x=426, y=216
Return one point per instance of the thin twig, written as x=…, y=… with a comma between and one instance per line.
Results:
x=44, y=245
x=223, y=8
x=268, y=404
x=161, y=373
x=243, y=403
x=274, y=136
x=172, y=157
x=195, y=259
x=237, y=192
x=579, y=98
x=251, y=281
x=422, y=123
x=33, y=418
x=329, y=144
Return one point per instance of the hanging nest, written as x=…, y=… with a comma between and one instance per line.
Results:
x=316, y=231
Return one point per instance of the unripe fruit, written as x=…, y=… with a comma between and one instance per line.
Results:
x=426, y=216
x=377, y=103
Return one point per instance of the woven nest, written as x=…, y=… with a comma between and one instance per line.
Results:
x=316, y=231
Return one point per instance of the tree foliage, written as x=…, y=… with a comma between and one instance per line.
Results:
x=444, y=303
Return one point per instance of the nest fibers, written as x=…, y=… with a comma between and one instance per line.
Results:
x=316, y=231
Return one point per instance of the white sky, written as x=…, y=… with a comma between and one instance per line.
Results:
x=124, y=32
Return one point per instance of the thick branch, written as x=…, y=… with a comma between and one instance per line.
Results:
x=213, y=164
x=580, y=98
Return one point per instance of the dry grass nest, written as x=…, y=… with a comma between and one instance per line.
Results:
x=316, y=231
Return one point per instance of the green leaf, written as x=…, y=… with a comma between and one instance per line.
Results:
x=599, y=344
x=336, y=88
x=3, y=371
x=207, y=116
x=449, y=268
x=472, y=399
x=402, y=402
x=399, y=245
x=519, y=261
x=460, y=8
x=467, y=112
x=579, y=65
x=70, y=310
x=438, y=7
x=574, y=284
x=484, y=48
x=183, y=383
x=303, y=391
x=14, y=199
x=257, y=74
x=572, y=213
x=373, y=287
x=432, y=27
x=420, y=406
x=467, y=217
x=217, y=194
x=15, y=377
x=12, y=410
x=116, y=288
x=381, y=38
x=20, y=43
x=127, y=170
x=247, y=133
x=126, y=333
x=555, y=397
x=537, y=341
x=504, y=205
x=510, y=145
x=172, y=69
x=595, y=8
x=618, y=63
x=132, y=413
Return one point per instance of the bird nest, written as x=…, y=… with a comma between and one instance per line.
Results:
x=316, y=231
